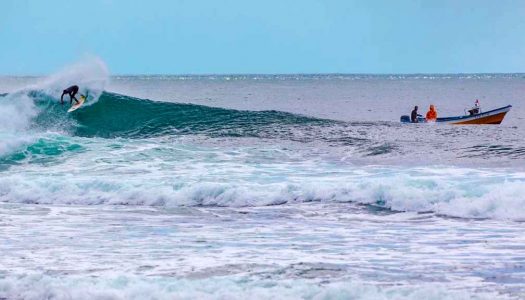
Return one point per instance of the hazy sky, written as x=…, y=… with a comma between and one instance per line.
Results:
x=266, y=36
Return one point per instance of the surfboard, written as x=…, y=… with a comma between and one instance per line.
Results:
x=77, y=105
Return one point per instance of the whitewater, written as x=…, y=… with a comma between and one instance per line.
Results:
x=259, y=186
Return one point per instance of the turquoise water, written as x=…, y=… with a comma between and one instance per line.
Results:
x=297, y=186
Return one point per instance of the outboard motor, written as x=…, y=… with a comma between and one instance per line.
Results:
x=405, y=119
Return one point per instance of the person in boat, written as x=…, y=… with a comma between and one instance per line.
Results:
x=476, y=109
x=431, y=114
x=71, y=91
x=414, y=115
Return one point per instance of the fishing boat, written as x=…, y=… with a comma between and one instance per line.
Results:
x=494, y=116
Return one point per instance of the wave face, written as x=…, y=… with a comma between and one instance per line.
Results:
x=122, y=116
x=112, y=115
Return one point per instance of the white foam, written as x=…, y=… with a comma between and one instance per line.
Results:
x=450, y=191
x=32, y=287
x=10, y=142
x=16, y=112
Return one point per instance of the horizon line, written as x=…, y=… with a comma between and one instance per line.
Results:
x=282, y=74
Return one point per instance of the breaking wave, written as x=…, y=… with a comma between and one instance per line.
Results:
x=444, y=191
x=135, y=287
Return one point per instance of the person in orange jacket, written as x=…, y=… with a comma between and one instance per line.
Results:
x=431, y=114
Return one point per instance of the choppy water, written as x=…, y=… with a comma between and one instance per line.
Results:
x=256, y=186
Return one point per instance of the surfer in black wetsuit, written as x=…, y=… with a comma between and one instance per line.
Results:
x=71, y=91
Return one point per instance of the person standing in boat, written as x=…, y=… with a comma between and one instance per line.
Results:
x=431, y=114
x=414, y=115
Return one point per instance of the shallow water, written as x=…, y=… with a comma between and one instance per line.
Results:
x=315, y=244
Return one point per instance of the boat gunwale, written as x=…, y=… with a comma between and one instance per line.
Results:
x=476, y=116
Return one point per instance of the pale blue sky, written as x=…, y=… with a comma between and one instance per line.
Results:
x=266, y=36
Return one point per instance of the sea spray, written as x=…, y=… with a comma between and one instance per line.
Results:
x=90, y=74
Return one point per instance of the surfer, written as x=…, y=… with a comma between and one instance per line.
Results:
x=71, y=91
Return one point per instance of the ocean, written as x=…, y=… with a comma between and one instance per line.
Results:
x=260, y=187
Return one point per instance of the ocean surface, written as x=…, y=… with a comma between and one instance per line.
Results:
x=260, y=187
